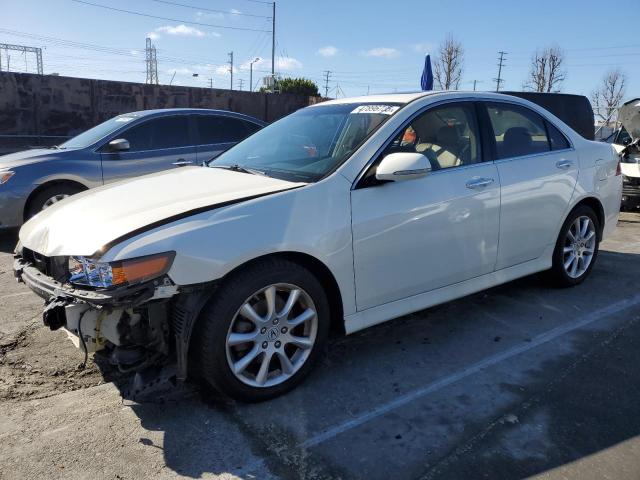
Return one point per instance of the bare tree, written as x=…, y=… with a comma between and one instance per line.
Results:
x=448, y=65
x=547, y=72
x=608, y=96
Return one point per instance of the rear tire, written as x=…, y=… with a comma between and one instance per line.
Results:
x=255, y=315
x=49, y=196
x=576, y=249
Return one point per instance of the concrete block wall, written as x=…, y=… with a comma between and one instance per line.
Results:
x=45, y=105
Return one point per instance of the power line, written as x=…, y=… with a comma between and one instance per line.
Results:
x=211, y=9
x=141, y=14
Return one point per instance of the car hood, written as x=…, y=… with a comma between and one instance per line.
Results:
x=18, y=159
x=85, y=223
x=629, y=116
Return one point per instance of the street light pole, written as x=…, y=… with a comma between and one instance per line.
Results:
x=251, y=73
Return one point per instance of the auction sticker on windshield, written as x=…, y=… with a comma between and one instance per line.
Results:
x=379, y=109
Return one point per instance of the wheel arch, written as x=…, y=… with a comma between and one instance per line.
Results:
x=44, y=186
x=595, y=205
x=319, y=270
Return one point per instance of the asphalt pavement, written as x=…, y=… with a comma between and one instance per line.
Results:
x=522, y=380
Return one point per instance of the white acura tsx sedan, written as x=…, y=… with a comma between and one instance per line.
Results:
x=340, y=216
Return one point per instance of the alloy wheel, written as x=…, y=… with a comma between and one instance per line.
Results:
x=271, y=335
x=54, y=199
x=579, y=246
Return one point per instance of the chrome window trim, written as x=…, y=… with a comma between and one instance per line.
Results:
x=532, y=155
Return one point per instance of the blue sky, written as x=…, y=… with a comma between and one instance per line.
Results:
x=375, y=46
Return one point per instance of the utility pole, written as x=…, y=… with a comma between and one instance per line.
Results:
x=501, y=61
x=231, y=67
x=327, y=74
x=273, y=44
x=240, y=83
x=211, y=82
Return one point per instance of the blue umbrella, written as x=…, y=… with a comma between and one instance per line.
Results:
x=426, y=82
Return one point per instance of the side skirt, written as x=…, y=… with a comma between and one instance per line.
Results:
x=382, y=313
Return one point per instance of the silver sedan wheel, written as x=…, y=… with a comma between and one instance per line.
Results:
x=271, y=335
x=579, y=246
x=54, y=199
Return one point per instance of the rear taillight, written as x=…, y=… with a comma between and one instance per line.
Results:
x=618, y=169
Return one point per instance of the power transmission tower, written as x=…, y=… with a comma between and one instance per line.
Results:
x=501, y=61
x=240, y=83
x=327, y=74
x=231, y=67
x=151, y=60
x=24, y=49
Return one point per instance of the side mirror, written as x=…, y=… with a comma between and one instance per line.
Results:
x=403, y=166
x=119, y=145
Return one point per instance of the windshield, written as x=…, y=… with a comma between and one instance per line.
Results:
x=309, y=144
x=98, y=132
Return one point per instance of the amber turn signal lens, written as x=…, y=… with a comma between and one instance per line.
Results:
x=141, y=269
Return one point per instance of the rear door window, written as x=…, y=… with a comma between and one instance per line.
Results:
x=556, y=138
x=517, y=130
x=220, y=129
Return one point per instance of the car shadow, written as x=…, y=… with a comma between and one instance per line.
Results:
x=572, y=405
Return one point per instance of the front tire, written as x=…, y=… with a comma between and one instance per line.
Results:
x=576, y=249
x=50, y=196
x=263, y=331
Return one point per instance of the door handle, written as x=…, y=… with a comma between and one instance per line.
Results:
x=479, y=182
x=182, y=162
x=564, y=164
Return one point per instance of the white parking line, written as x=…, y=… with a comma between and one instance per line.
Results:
x=470, y=370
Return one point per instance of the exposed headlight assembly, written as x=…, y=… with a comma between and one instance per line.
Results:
x=87, y=272
x=5, y=175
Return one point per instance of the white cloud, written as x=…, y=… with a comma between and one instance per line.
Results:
x=382, y=52
x=422, y=48
x=225, y=70
x=209, y=15
x=181, y=29
x=288, y=63
x=328, y=51
x=134, y=52
x=235, y=12
x=284, y=63
x=179, y=71
x=153, y=35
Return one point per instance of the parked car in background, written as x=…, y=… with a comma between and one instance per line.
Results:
x=626, y=140
x=125, y=146
x=342, y=215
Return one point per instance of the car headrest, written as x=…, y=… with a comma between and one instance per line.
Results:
x=517, y=139
x=447, y=137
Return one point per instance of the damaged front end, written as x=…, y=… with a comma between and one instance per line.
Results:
x=128, y=312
